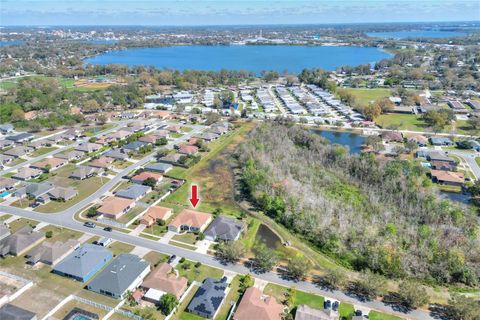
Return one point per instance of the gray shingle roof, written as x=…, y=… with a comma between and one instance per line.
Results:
x=83, y=260
x=209, y=297
x=119, y=274
x=20, y=240
x=11, y=312
x=133, y=192
x=224, y=228
x=158, y=167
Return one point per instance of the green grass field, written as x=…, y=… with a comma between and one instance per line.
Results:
x=346, y=310
x=401, y=121
x=301, y=297
x=365, y=96
x=374, y=315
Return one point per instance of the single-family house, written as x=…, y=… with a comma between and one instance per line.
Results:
x=85, y=172
x=256, y=306
x=11, y=312
x=305, y=312
x=207, y=136
x=38, y=144
x=443, y=165
x=4, y=159
x=4, y=144
x=149, y=139
x=26, y=173
x=21, y=137
x=83, y=262
x=125, y=273
x=223, y=228
x=101, y=162
x=88, y=147
x=159, y=167
x=419, y=139
x=4, y=231
x=134, y=192
x=190, y=221
x=141, y=177
x=392, y=136
x=163, y=279
x=7, y=184
x=154, y=214
x=207, y=300
x=17, y=152
x=187, y=149
x=62, y=194
x=116, y=154
x=174, y=129
x=115, y=207
x=171, y=158
x=49, y=163
x=70, y=155
x=34, y=190
x=441, y=141
x=134, y=146
x=52, y=252
x=439, y=156
x=21, y=241
x=448, y=177
x=6, y=128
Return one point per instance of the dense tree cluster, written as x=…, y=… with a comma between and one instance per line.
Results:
x=368, y=214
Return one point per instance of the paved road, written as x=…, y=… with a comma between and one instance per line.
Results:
x=66, y=219
x=469, y=158
x=51, y=153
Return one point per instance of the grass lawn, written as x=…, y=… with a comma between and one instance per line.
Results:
x=177, y=172
x=401, y=121
x=154, y=258
x=155, y=230
x=248, y=237
x=187, y=269
x=346, y=310
x=365, y=96
x=120, y=164
x=186, y=129
x=22, y=203
x=374, y=315
x=181, y=313
x=233, y=296
x=61, y=234
x=176, y=135
x=119, y=247
x=188, y=237
x=16, y=162
x=85, y=188
x=42, y=151
x=301, y=297
x=131, y=214
x=182, y=245
x=477, y=160
x=20, y=223
x=213, y=175
x=5, y=217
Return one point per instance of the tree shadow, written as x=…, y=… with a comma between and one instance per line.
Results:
x=439, y=311
x=396, y=302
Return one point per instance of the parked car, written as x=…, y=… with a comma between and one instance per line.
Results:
x=109, y=229
x=89, y=224
x=172, y=258
x=335, y=306
x=104, y=242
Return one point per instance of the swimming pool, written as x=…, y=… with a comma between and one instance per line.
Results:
x=4, y=194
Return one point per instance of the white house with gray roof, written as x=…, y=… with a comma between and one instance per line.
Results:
x=125, y=273
x=223, y=228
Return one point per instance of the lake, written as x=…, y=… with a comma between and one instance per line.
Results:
x=251, y=58
x=353, y=141
x=416, y=34
x=267, y=236
x=10, y=43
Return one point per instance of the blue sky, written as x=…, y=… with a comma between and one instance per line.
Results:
x=228, y=12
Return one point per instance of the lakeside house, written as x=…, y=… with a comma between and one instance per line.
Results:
x=256, y=306
x=125, y=273
x=190, y=221
x=223, y=228
x=392, y=136
x=83, y=262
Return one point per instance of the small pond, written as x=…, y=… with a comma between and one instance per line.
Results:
x=270, y=238
x=353, y=141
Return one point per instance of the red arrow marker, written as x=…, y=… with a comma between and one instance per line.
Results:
x=194, y=198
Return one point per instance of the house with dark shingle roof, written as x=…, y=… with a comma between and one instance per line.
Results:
x=223, y=228
x=84, y=262
x=11, y=312
x=125, y=273
x=17, y=152
x=116, y=154
x=88, y=147
x=441, y=141
x=158, y=167
x=134, y=146
x=21, y=137
x=209, y=297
